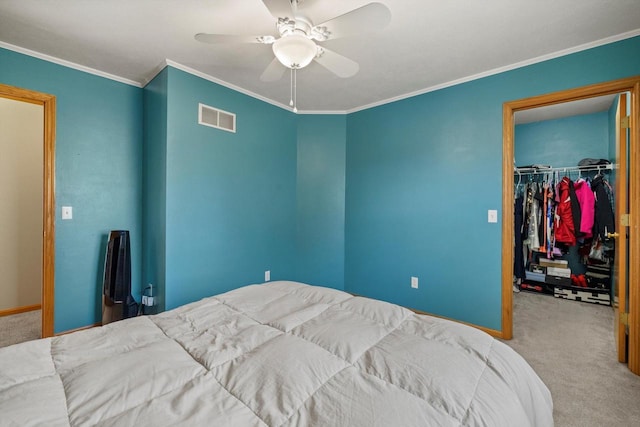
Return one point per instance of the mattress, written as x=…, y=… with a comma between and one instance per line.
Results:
x=274, y=354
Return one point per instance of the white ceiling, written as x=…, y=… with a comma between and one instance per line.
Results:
x=596, y=104
x=427, y=45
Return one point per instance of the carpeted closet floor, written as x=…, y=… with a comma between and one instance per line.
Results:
x=571, y=346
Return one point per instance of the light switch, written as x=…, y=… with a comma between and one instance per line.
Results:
x=67, y=212
x=493, y=215
x=414, y=282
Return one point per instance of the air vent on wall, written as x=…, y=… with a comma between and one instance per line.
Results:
x=216, y=118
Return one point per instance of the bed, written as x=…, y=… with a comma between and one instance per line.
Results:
x=275, y=354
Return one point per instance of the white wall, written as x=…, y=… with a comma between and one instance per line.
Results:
x=21, y=180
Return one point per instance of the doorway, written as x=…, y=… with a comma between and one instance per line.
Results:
x=48, y=102
x=631, y=85
x=21, y=212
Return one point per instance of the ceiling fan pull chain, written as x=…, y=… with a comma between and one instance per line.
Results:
x=291, y=90
x=295, y=90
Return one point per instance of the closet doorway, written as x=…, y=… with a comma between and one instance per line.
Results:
x=627, y=241
x=47, y=161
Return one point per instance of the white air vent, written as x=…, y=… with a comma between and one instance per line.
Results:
x=216, y=118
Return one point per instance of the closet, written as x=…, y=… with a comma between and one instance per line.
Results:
x=564, y=228
x=621, y=135
x=564, y=225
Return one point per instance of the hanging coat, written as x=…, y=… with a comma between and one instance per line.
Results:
x=564, y=227
x=604, y=221
x=533, y=219
x=576, y=212
x=587, y=203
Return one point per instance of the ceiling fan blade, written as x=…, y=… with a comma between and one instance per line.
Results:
x=273, y=72
x=226, y=38
x=370, y=17
x=337, y=64
x=279, y=8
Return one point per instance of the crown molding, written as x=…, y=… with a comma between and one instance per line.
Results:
x=558, y=54
x=168, y=62
x=189, y=70
x=68, y=64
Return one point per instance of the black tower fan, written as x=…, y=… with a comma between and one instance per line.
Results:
x=117, y=301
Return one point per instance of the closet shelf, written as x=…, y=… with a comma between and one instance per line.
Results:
x=532, y=170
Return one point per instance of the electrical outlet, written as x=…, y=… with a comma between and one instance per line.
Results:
x=414, y=282
x=267, y=275
x=148, y=301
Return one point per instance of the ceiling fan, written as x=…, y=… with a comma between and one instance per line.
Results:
x=295, y=43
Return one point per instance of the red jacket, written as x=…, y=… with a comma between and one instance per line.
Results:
x=564, y=227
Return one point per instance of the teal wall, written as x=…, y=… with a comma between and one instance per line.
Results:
x=221, y=208
x=154, y=200
x=362, y=201
x=98, y=173
x=230, y=197
x=563, y=142
x=422, y=173
x=321, y=166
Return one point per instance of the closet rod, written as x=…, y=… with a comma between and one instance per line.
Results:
x=519, y=171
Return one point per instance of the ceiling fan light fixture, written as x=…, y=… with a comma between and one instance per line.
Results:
x=295, y=51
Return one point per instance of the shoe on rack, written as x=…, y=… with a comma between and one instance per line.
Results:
x=575, y=281
x=583, y=281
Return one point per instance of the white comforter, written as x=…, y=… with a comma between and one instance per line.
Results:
x=277, y=354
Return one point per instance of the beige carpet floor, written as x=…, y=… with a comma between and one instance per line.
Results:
x=571, y=346
x=20, y=327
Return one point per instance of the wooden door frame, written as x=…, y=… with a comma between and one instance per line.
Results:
x=49, y=205
x=632, y=85
x=621, y=205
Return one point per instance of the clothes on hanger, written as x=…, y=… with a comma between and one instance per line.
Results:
x=561, y=227
x=562, y=212
x=564, y=227
x=532, y=217
x=587, y=203
x=604, y=220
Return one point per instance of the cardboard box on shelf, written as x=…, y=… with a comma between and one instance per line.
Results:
x=546, y=262
x=538, y=277
x=557, y=280
x=559, y=271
